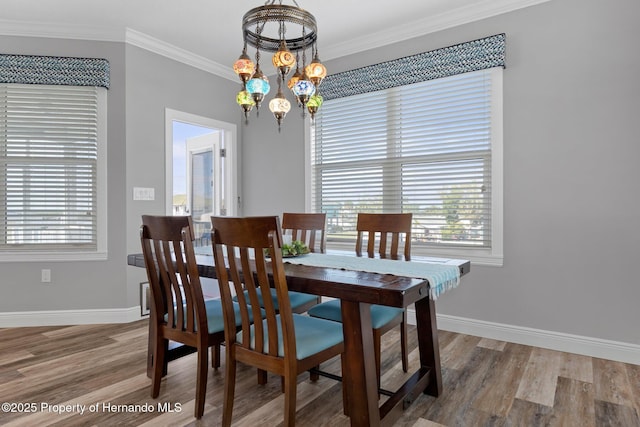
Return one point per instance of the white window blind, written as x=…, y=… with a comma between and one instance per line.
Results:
x=424, y=148
x=48, y=167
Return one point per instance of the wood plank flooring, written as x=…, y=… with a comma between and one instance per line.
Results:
x=58, y=371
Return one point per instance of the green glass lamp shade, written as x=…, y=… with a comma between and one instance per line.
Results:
x=315, y=102
x=244, y=98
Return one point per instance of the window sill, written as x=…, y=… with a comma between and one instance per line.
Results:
x=482, y=257
x=53, y=256
x=476, y=256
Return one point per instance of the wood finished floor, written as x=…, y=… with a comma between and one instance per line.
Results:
x=486, y=383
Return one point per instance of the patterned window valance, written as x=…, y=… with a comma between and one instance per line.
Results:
x=461, y=58
x=54, y=70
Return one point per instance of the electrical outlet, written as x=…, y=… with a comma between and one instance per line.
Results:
x=46, y=275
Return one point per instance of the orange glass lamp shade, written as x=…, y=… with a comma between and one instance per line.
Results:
x=294, y=79
x=283, y=59
x=316, y=71
x=244, y=67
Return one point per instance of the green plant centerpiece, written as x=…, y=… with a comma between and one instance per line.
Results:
x=295, y=248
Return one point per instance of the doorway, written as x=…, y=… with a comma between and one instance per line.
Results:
x=201, y=170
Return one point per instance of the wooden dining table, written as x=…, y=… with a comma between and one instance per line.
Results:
x=357, y=290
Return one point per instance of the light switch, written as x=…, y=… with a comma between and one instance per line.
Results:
x=143, y=193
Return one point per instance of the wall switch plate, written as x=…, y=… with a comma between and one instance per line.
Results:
x=144, y=193
x=46, y=275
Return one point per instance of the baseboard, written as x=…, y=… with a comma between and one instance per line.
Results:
x=69, y=317
x=577, y=344
x=588, y=346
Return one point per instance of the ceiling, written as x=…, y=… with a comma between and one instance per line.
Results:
x=207, y=33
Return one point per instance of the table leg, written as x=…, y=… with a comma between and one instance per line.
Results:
x=428, y=343
x=361, y=380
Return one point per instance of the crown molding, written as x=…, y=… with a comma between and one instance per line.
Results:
x=112, y=34
x=60, y=31
x=143, y=41
x=480, y=10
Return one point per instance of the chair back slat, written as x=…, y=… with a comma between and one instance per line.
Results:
x=390, y=232
x=268, y=305
x=176, y=292
x=250, y=270
x=306, y=227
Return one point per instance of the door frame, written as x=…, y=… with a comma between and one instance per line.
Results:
x=229, y=141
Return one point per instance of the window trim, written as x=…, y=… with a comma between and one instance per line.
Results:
x=493, y=256
x=101, y=252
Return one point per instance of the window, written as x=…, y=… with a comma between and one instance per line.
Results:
x=432, y=148
x=52, y=170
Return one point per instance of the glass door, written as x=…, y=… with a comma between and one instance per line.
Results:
x=203, y=183
x=201, y=170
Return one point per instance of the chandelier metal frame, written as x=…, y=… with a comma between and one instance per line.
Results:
x=255, y=20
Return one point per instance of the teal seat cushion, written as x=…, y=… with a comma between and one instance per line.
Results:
x=296, y=299
x=215, y=318
x=312, y=335
x=380, y=314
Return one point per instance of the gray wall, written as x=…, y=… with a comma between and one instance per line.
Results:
x=143, y=84
x=273, y=162
x=153, y=84
x=571, y=100
x=78, y=285
x=571, y=103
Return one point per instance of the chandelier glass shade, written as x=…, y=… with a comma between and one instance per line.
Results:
x=303, y=89
x=245, y=101
x=279, y=106
x=244, y=67
x=316, y=71
x=258, y=86
x=289, y=32
x=314, y=104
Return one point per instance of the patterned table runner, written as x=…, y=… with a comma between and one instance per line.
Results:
x=441, y=275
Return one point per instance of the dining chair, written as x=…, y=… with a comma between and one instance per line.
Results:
x=385, y=236
x=309, y=228
x=284, y=343
x=178, y=307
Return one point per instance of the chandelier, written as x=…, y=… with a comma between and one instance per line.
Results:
x=289, y=32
